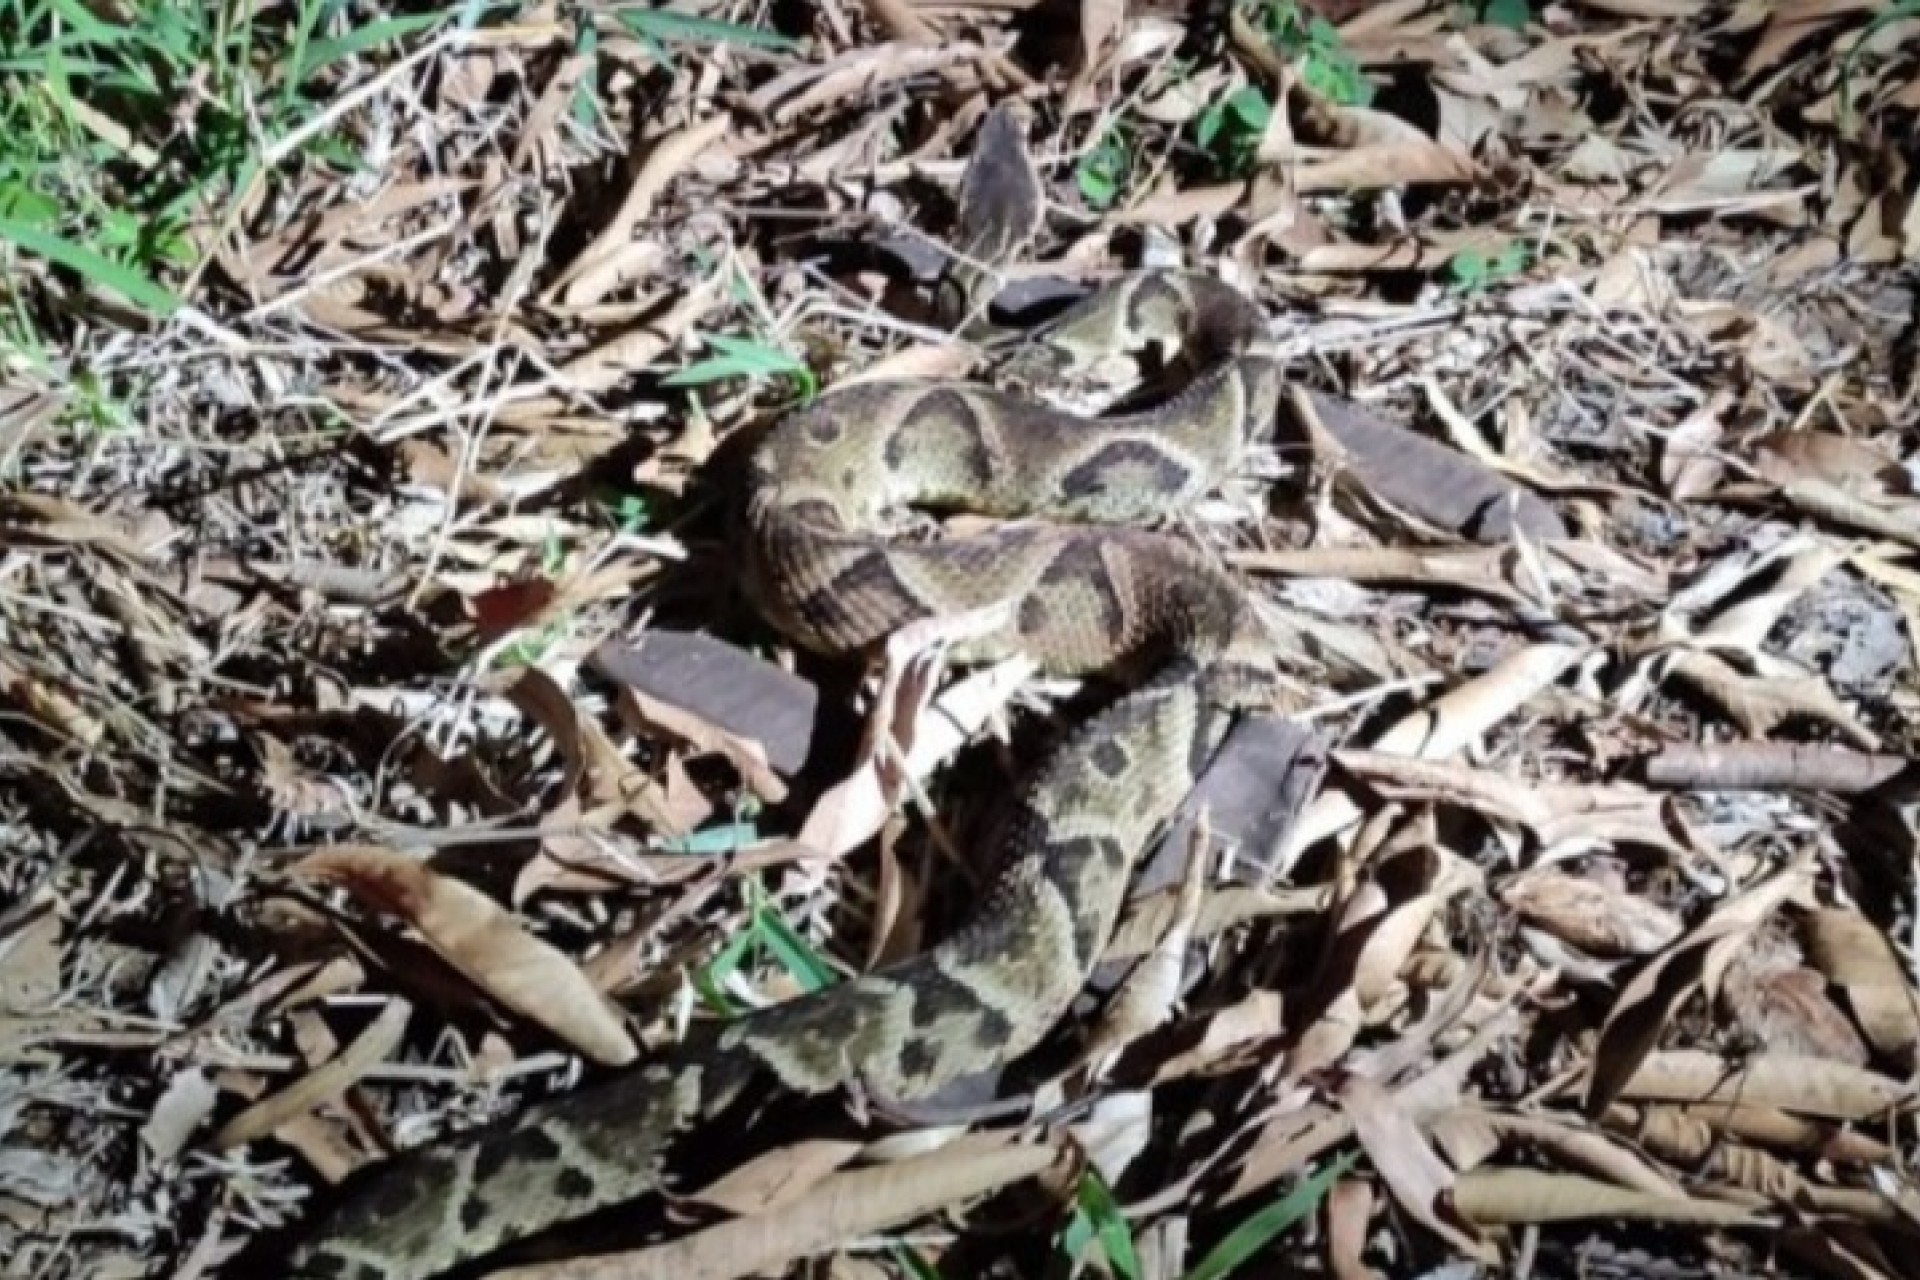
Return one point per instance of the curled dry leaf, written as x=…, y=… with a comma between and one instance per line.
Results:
x=745, y=754
x=1419, y=1180
x=1641, y=1011
x=1773, y=766
x=1588, y=914
x=1511, y=1197
x=776, y=1178
x=1856, y=957
x=904, y=743
x=1470, y=1135
x=1688, y=1135
x=1810, y=1086
x=480, y=939
x=1784, y=1005
x=1437, y=731
x=321, y=1085
x=1761, y=705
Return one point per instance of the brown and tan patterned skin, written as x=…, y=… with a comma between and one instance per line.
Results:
x=1082, y=594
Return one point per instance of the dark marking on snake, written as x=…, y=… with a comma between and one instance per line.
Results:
x=1125, y=461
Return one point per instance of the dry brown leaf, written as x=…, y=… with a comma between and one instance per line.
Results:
x=1483, y=569
x=748, y=756
x=905, y=739
x=1641, y=1011
x=1596, y=917
x=768, y=1181
x=1850, y=464
x=1255, y=1020
x=1300, y=1130
x=1773, y=766
x=1784, y=1006
x=182, y=1107
x=30, y=953
x=1784, y=574
x=597, y=770
x=323, y=1084
x=1689, y=463
x=1857, y=958
x=1149, y=916
x=1470, y=1135
x=1349, y=1209
x=1759, y=705
x=1151, y=991
x=1510, y=1197
x=596, y=271
x=1437, y=731
x=1689, y=1135
x=1898, y=520
x=1564, y=817
x=1101, y=23
x=1419, y=1179
x=634, y=351
x=1809, y=1086
x=475, y=935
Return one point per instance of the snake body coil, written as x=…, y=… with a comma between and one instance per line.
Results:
x=1085, y=599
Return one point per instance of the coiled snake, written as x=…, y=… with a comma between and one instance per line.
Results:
x=1087, y=599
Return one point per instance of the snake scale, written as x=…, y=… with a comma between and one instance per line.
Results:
x=1077, y=590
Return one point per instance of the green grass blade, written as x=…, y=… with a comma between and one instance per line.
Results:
x=795, y=954
x=1108, y=1225
x=1258, y=1231
x=323, y=53
x=134, y=285
x=713, y=841
x=738, y=358
x=916, y=1267
x=669, y=24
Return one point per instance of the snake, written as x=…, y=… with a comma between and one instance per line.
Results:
x=1076, y=569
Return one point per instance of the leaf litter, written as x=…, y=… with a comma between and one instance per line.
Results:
x=340, y=816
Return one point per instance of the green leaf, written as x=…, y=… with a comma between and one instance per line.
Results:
x=1512, y=14
x=324, y=53
x=738, y=358
x=1475, y=268
x=1893, y=13
x=917, y=1267
x=713, y=841
x=1102, y=172
x=633, y=512
x=129, y=282
x=22, y=202
x=586, y=91
x=794, y=953
x=1253, y=1235
x=670, y=24
x=1097, y=1217
x=710, y=978
x=1251, y=107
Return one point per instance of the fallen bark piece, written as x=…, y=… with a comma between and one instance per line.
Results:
x=729, y=688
